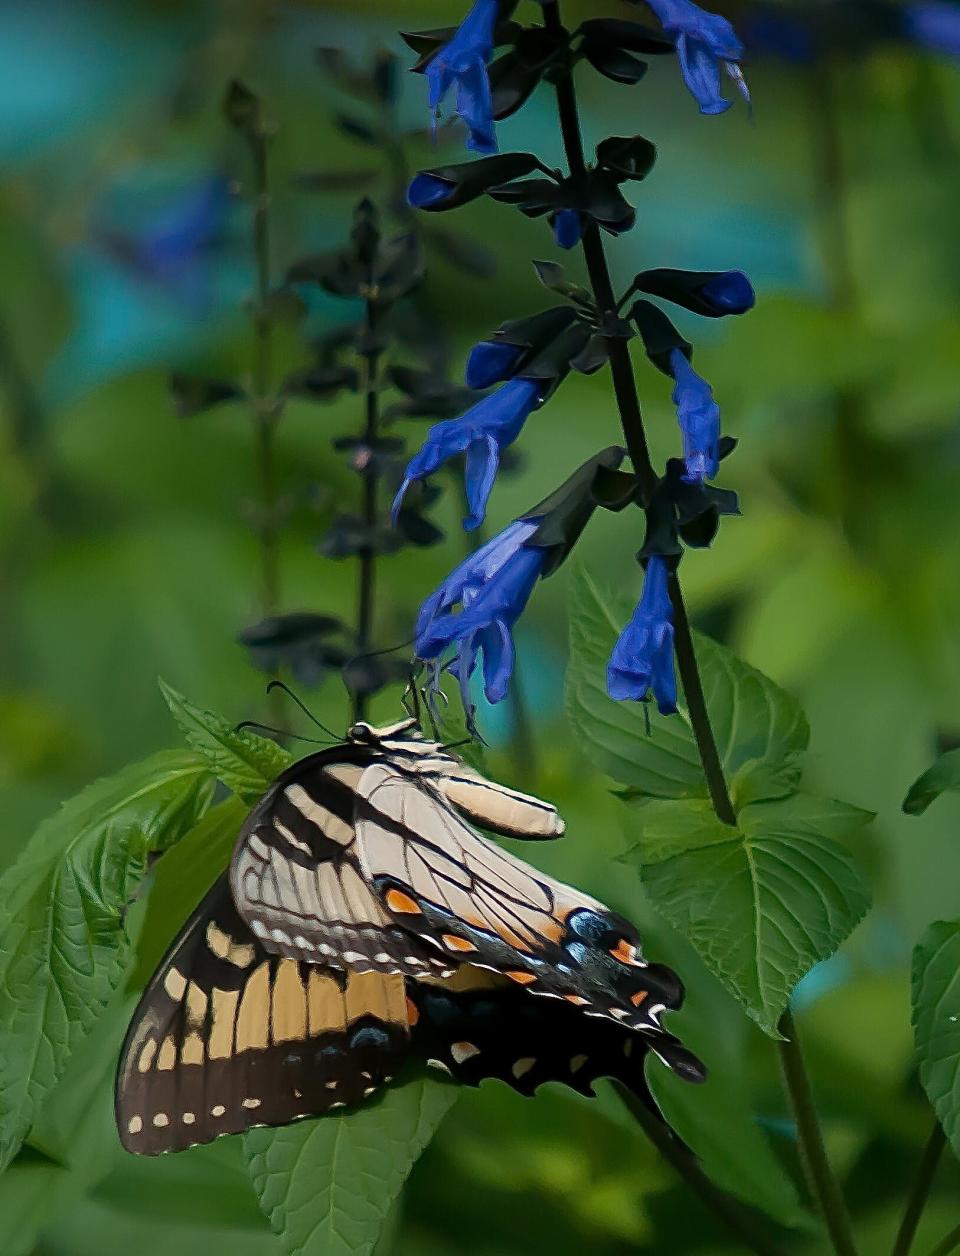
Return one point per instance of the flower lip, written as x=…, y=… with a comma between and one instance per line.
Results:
x=491, y=361
x=567, y=228
x=462, y=63
x=703, y=40
x=642, y=659
x=699, y=417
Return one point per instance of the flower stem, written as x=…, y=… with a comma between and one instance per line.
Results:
x=631, y=418
x=366, y=578
x=949, y=1243
x=265, y=407
x=823, y=1184
x=921, y=1190
x=737, y=1217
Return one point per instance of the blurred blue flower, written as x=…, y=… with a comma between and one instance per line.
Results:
x=463, y=63
x=729, y=292
x=642, y=659
x=173, y=240
x=491, y=361
x=704, y=41
x=934, y=24
x=699, y=418
x=567, y=228
x=480, y=433
x=491, y=587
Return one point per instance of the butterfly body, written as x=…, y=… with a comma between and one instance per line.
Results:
x=363, y=922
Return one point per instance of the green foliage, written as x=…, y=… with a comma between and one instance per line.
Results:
x=944, y=775
x=328, y=1185
x=761, y=902
x=244, y=762
x=936, y=1022
x=760, y=730
x=64, y=946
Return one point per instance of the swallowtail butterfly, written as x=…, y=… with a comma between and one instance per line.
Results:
x=364, y=924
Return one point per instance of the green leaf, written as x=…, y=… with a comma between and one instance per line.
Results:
x=937, y=780
x=328, y=1185
x=64, y=948
x=181, y=879
x=760, y=729
x=762, y=902
x=246, y=763
x=30, y=1190
x=936, y=1022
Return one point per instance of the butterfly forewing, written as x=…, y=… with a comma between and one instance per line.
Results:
x=228, y=1036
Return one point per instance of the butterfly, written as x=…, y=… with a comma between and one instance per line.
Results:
x=365, y=925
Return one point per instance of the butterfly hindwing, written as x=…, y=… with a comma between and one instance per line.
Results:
x=448, y=885
x=228, y=1036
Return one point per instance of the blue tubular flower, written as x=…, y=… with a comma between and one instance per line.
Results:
x=699, y=418
x=567, y=228
x=480, y=433
x=176, y=239
x=428, y=189
x=491, y=361
x=463, y=62
x=729, y=292
x=491, y=587
x=642, y=659
x=703, y=40
x=935, y=24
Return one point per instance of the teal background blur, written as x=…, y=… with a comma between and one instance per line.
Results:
x=125, y=554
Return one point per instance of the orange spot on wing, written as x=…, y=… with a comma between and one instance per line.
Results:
x=625, y=952
x=398, y=901
x=576, y=999
x=413, y=1012
x=637, y=999
x=457, y=944
x=521, y=978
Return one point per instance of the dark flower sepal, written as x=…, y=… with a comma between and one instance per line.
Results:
x=192, y=394
x=565, y=513
x=712, y=293
x=553, y=276
x=615, y=32
x=552, y=364
x=320, y=383
x=383, y=272
x=448, y=187
x=300, y=641
x=427, y=395
x=349, y=536
x=659, y=335
x=687, y=511
x=597, y=195
x=627, y=157
x=515, y=74
x=426, y=44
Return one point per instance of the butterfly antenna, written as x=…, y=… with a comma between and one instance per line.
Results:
x=279, y=732
x=279, y=684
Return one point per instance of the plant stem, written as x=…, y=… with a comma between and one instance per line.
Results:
x=823, y=1184
x=265, y=407
x=921, y=1190
x=949, y=1243
x=737, y=1217
x=631, y=418
x=366, y=580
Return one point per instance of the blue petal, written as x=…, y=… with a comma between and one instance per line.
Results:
x=489, y=362
x=729, y=293
x=428, y=189
x=475, y=106
x=498, y=660
x=935, y=25
x=699, y=418
x=567, y=228
x=480, y=472
x=642, y=659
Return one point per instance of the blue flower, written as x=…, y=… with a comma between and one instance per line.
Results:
x=480, y=433
x=699, y=418
x=567, y=228
x=491, y=588
x=703, y=41
x=642, y=659
x=935, y=24
x=175, y=239
x=463, y=63
x=428, y=189
x=729, y=292
x=491, y=361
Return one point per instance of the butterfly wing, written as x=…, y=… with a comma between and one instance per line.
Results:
x=228, y=1036
x=297, y=881
x=459, y=893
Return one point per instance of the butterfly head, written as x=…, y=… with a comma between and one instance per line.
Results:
x=365, y=734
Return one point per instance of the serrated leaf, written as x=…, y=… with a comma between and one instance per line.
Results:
x=936, y=1022
x=937, y=780
x=180, y=880
x=762, y=902
x=246, y=763
x=64, y=948
x=760, y=729
x=328, y=1185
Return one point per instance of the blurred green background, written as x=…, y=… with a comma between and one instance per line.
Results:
x=125, y=550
